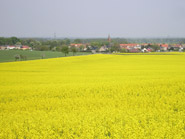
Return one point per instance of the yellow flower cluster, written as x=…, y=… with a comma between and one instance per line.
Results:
x=94, y=96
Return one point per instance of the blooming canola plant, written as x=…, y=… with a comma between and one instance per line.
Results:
x=94, y=96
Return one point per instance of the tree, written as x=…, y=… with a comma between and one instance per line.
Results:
x=115, y=47
x=43, y=48
x=67, y=41
x=53, y=44
x=65, y=49
x=2, y=41
x=82, y=47
x=74, y=50
x=14, y=40
x=18, y=43
x=58, y=48
x=43, y=56
x=17, y=57
x=97, y=44
x=8, y=41
x=155, y=47
x=23, y=57
x=77, y=41
x=123, y=50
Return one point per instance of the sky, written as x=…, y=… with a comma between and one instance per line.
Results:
x=92, y=18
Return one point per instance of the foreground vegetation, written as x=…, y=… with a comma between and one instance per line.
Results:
x=94, y=96
x=9, y=55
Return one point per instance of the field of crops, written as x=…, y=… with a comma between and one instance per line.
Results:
x=94, y=96
x=9, y=55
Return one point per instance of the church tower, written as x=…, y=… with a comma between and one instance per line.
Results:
x=109, y=39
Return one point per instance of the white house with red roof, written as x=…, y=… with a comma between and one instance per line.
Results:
x=10, y=47
x=130, y=46
x=163, y=47
x=25, y=47
x=77, y=45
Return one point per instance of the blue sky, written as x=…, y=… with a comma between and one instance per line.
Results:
x=92, y=18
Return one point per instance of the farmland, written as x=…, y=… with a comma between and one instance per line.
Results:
x=94, y=96
x=9, y=55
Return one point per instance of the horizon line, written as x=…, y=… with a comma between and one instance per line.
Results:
x=95, y=37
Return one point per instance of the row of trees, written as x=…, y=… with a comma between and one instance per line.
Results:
x=34, y=42
x=93, y=41
x=65, y=50
x=9, y=41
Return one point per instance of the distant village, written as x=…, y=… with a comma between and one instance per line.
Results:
x=135, y=48
x=130, y=47
x=108, y=47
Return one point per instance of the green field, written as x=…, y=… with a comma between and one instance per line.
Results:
x=9, y=55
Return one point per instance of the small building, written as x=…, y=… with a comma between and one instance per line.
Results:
x=163, y=47
x=24, y=47
x=144, y=50
x=2, y=47
x=149, y=49
x=130, y=46
x=10, y=47
x=17, y=47
x=134, y=50
x=93, y=51
x=77, y=45
x=181, y=49
x=175, y=47
x=103, y=49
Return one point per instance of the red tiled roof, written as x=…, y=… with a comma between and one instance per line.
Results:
x=177, y=45
x=24, y=46
x=145, y=44
x=163, y=45
x=76, y=44
x=130, y=45
x=149, y=49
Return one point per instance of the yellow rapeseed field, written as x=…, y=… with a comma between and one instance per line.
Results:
x=94, y=97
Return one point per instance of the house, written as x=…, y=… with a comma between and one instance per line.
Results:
x=10, y=47
x=176, y=47
x=149, y=49
x=93, y=51
x=144, y=50
x=89, y=47
x=2, y=47
x=77, y=45
x=130, y=45
x=163, y=47
x=17, y=47
x=145, y=44
x=24, y=47
x=134, y=50
x=103, y=49
x=181, y=49
x=85, y=48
